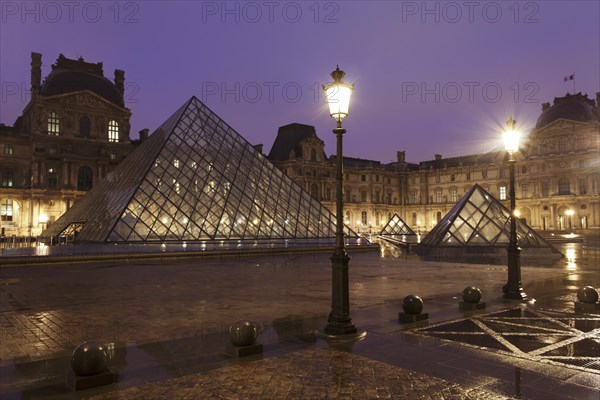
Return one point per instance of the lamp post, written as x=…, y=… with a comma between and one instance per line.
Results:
x=339, y=323
x=513, y=288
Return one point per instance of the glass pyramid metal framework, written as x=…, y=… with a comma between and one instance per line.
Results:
x=478, y=219
x=396, y=227
x=196, y=179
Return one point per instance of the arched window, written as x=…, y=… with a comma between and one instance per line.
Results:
x=313, y=155
x=113, y=131
x=562, y=145
x=53, y=124
x=84, y=178
x=563, y=186
x=52, y=178
x=84, y=127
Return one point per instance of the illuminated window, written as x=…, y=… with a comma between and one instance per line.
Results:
x=53, y=124
x=502, y=190
x=438, y=196
x=453, y=195
x=8, y=149
x=113, y=131
x=6, y=210
x=8, y=176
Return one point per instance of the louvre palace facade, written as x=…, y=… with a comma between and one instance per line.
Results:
x=557, y=186
x=75, y=130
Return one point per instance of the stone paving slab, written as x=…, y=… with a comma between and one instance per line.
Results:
x=310, y=374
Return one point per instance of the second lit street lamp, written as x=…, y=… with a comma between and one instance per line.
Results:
x=339, y=323
x=513, y=288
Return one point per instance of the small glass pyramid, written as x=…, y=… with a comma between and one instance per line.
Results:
x=196, y=179
x=478, y=219
x=396, y=226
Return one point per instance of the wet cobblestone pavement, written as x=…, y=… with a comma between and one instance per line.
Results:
x=311, y=374
x=166, y=328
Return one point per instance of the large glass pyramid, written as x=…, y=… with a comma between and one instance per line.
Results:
x=396, y=227
x=196, y=179
x=478, y=219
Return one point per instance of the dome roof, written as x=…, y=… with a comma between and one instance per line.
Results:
x=70, y=76
x=576, y=107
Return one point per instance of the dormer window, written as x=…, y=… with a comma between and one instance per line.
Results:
x=53, y=124
x=113, y=131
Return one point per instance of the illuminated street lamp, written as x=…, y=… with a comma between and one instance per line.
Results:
x=513, y=288
x=339, y=323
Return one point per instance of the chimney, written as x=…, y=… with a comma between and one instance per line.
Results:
x=438, y=157
x=545, y=106
x=144, y=134
x=36, y=74
x=259, y=147
x=401, y=156
x=120, y=82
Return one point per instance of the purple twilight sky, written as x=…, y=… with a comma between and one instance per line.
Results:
x=431, y=77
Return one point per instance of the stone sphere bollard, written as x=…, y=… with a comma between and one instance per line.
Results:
x=89, y=358
x=243, y=333
x=588, y=295
x=471, y=295
x=412, y=304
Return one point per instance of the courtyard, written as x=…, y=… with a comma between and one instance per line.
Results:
x=166, y=324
